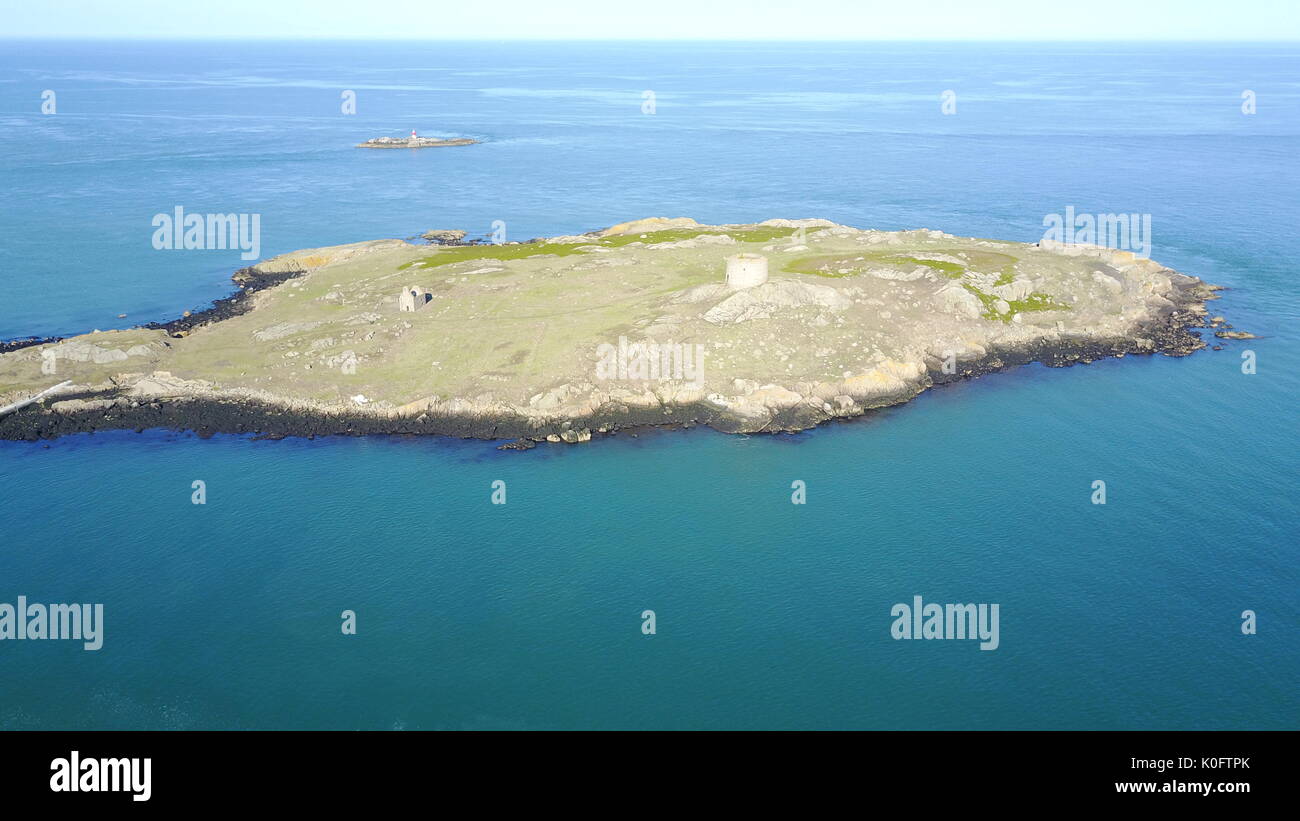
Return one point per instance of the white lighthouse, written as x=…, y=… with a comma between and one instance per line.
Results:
x=746, y=270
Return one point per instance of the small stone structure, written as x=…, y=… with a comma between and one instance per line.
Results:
x=746, y=270
x=412, y=299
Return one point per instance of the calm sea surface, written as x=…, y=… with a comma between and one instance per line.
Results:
x=527, y=615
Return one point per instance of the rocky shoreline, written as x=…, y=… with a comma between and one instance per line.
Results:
x=248, y=281
x=26, y=342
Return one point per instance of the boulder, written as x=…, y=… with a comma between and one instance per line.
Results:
x=954, y=299
x=773, y=298
x=443, y=236
x=648, y=225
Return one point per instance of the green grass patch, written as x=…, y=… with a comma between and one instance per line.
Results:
x=762, y=234
x=666, y=235
x=465, y=253
x=830, y=265
x=1036, y=301
x=949, y=269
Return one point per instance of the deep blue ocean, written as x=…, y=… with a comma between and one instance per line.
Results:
x=769, y=615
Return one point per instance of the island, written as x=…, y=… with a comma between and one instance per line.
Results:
x=414, y=141
x=767, y=327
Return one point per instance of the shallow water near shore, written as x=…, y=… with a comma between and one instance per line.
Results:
x=1124, y=615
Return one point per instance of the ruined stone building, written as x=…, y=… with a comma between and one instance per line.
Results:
x=412, y=299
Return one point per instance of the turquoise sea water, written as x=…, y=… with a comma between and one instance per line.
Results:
x=527, y=615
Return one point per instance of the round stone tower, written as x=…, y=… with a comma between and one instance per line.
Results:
x=746, y=270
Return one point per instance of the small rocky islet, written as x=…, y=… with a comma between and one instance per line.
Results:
x=767, y=327
x=415, y=141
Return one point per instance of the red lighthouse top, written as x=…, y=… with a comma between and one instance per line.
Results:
x=413, y=135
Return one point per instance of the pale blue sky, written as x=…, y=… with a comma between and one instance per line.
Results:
x=658, y=19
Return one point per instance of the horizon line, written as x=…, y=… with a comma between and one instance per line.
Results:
x=344, y=39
